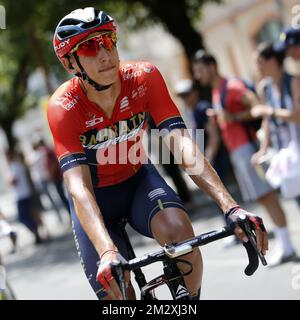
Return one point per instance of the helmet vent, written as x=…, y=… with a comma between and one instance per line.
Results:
x=91, y=24
x=69, y=22
x=66, y=33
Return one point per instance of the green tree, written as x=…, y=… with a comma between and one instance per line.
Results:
x=24, y=45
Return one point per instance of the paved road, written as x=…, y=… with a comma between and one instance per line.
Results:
x=53, y=271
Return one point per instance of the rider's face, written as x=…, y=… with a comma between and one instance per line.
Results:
x=102, y=66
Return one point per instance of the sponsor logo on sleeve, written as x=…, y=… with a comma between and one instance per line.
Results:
x=148, y=67
x=67, y=101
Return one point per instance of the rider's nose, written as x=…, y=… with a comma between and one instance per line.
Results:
x=103, y=54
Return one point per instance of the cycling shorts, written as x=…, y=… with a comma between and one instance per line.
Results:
x=137, y=199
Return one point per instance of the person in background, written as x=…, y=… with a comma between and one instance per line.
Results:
x=48, y=172
x=242, y=143
x=289, y=42
x=280, y=102
x=26, y=206
x=7, y=230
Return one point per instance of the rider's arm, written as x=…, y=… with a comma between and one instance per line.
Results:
x=79, y=185
x=167, y=117
x=205, y=177
x=187, y=153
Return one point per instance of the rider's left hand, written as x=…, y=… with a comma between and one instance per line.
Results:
x=236, y=213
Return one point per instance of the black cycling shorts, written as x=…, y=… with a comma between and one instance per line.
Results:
x=137, y=199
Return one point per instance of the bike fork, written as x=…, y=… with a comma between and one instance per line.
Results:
x=139, y=275
x=175, y=281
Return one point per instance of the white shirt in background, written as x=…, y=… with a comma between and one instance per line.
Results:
x=22, y=187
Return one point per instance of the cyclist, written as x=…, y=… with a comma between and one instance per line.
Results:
x=102, y=109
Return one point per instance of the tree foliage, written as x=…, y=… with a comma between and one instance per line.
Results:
x=26, y=43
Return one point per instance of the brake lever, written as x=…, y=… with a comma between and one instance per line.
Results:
x=252, y=239
x=118, y=274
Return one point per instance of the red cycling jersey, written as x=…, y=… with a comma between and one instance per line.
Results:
x=83, y=133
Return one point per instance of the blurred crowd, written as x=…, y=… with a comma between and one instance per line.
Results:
x=38, y=186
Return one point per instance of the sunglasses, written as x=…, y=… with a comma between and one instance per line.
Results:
x=91, y=47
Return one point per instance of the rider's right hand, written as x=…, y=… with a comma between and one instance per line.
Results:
x=105, y=277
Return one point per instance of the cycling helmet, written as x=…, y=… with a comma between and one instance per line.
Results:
x=76, y=26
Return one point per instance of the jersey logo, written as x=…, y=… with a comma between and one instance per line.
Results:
x=124, y=104
x=93, y=122
x=156, y=193
x=181, y=292
x=139, y=92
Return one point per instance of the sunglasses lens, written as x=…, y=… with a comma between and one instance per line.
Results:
x=87, y=48
x=92, y=46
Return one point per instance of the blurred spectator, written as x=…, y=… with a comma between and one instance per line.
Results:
x=289, y=42
x=47, y=172
x=280, y=98
x=28, y=208
x=6, y=230
x=241, y=142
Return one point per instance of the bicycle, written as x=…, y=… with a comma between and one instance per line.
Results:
x=170, y=255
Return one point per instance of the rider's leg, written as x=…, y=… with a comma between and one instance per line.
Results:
x=89, y=257
x=173, y=225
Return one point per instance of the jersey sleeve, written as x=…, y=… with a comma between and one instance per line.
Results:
x=65, y=130
x=160, y=105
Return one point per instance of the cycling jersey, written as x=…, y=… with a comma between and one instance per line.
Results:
x=84, y=134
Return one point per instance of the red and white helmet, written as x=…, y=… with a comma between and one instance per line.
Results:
x=77, y=25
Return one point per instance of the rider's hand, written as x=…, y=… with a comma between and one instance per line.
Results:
x=235, y=213
x=105, y=277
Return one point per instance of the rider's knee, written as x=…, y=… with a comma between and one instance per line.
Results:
x=177, y=230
